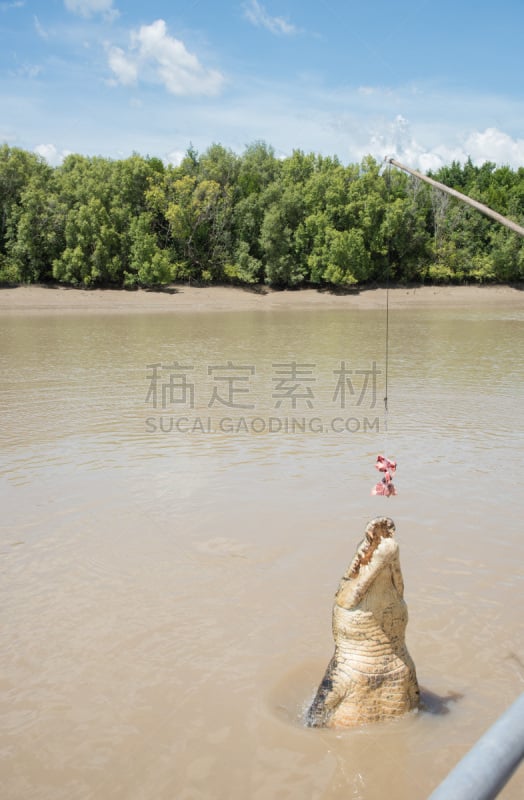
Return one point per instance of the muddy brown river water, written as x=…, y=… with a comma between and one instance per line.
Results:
x=180, y=496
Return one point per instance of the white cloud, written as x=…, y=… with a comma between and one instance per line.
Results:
x=175, y=157
x=26, y=71
x=125, y=69
x=87, y=8
x=52, y=155
x=14, y=4
x=257, y=15
x=40, y=29
x=398, y=140
x=395, y=139
x=494, y=145
x=156, y=56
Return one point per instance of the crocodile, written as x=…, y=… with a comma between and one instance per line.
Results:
x=371, y=676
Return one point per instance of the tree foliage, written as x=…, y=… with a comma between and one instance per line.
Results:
x=254, y=218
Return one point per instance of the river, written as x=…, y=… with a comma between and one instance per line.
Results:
x=180, y=496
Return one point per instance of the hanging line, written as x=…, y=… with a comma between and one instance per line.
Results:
x=384, y=465
x=386, y=375
x=388, y=270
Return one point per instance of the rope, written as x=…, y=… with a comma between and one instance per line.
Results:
x=386, y=376
x=385, y=487
x=388, y=271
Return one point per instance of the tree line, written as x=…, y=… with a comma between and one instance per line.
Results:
x=250, y=219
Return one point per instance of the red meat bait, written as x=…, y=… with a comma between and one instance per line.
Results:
x=385, y=487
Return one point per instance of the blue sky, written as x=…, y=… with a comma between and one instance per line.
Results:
x=426, y=81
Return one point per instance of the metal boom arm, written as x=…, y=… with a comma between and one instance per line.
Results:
x=453, y=192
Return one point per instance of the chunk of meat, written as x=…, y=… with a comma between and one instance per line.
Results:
x=385, y=487
x=384, y=464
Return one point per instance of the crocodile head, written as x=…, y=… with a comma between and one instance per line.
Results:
x=377, y=530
